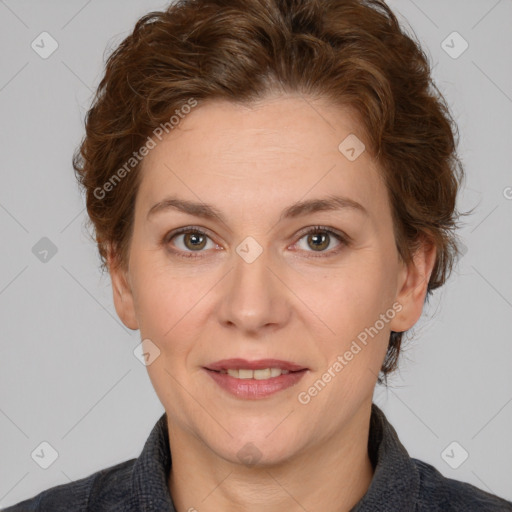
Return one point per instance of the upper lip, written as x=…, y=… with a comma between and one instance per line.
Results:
x=238, y=363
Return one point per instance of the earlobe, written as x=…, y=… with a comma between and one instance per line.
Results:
x=123, y=295
x=412, y=286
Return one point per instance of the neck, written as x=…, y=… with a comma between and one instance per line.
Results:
x=331, y=476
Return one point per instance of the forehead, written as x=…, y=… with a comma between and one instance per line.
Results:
x=279, y=150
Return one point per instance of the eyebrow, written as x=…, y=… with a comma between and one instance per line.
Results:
x=207, y=211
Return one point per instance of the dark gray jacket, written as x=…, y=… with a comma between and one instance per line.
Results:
x=400, y=483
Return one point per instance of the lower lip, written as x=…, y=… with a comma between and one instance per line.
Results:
x=254, y=389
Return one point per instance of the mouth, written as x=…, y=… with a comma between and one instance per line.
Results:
x=255, y=379
x=260, y=369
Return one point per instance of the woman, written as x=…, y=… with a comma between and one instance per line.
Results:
x=272, y=184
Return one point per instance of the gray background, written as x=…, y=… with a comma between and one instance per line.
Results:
x=68, y=375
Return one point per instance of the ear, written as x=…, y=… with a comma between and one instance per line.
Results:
x=122, y=291
x=412, y=286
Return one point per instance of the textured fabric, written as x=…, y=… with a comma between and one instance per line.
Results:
x=400, y=483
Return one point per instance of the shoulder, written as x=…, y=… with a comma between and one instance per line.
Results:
x=108, y=489
x=439, y=493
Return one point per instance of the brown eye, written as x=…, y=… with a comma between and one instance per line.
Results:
x=321, y=240
x=194, y=241
x=318, y=241
x=187, y=241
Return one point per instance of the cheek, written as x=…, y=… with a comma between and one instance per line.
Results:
x=170, y=320
x=164, y=297
x=353, y=355
x=351, y=298
x=351, y=304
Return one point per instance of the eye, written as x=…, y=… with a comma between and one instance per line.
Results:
x=319, y=239
x=189, y=240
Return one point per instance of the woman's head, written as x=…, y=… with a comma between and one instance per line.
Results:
x=251, y=107
x=235, y=254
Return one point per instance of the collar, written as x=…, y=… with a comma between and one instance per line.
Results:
x=395, y=481
x=150, y=472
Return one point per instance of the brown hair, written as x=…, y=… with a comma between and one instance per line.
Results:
x=351, y=52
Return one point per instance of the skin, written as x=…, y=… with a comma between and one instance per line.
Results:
x=293, y=302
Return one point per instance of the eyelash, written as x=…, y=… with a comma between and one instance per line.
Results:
x=343, y=239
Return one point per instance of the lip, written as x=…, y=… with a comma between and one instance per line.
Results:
x=253, y=389
x=237, y=363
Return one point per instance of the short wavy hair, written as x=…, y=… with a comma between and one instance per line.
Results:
x=353, y=53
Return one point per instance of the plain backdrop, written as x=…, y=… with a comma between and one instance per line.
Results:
x=68, y=375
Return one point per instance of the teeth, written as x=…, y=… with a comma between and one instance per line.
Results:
x=245, y=374
x=265, y=373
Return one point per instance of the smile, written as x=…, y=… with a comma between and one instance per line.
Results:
x=255, y=384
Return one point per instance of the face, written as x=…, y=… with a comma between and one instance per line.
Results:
x=284, y=251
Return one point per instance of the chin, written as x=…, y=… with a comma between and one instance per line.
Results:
x=264, y=445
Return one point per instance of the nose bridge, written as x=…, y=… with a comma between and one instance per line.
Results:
x=254, y=297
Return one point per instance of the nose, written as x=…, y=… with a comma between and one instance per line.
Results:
x=255, y=298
